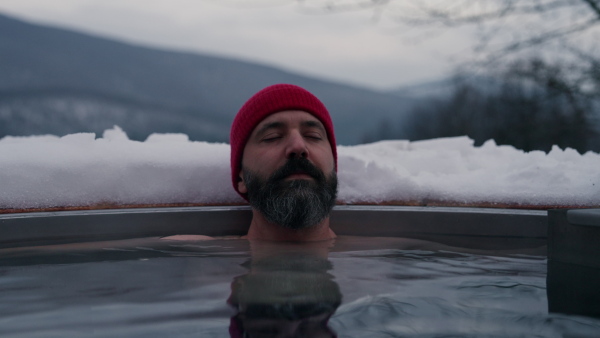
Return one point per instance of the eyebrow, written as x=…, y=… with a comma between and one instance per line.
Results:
x=268, y=126
x=314, y=124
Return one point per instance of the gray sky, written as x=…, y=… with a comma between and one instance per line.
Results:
x=346, y=47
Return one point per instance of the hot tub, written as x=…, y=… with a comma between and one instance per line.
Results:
x=393, y=271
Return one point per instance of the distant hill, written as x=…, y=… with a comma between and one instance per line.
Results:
x=445, y=87
x=438, y=88
x=56, y=81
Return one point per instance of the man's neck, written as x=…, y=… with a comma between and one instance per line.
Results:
x=261, y=229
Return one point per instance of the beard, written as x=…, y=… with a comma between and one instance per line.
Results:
x=293, y=204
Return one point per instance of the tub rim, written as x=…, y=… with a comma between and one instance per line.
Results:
x=60, y=227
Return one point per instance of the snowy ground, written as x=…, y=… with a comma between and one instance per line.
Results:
x=82, y=170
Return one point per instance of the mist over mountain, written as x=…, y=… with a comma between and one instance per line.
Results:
x=57, y=81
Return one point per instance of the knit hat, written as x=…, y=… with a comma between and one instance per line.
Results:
x=270, y=100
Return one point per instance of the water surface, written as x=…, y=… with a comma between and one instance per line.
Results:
x=352, y=287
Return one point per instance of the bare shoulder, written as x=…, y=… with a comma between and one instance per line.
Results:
x=188, y=238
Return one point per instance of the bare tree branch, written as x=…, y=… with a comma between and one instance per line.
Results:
x=542, y=53
x=546, y=36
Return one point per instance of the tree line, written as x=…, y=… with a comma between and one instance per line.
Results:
x=513, y=111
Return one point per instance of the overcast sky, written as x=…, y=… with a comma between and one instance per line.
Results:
x=348, y=47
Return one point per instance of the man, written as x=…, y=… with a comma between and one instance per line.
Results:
x=284, y=162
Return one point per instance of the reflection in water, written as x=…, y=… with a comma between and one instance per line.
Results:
x=287, y=292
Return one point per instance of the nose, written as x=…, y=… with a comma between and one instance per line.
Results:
x=296, y=146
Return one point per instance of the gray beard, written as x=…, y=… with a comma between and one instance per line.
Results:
x=294, y=204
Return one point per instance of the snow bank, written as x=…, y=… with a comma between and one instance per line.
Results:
x=453, y=171
x=82, y=170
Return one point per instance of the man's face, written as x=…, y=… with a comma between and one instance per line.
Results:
x=288, y=169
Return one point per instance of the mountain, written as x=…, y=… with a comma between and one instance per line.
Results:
x=444, y=88
x=437, y=88
x=57, y=81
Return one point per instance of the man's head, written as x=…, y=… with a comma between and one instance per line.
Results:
x=283, y=156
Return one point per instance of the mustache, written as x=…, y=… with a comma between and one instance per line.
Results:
x=297, y=165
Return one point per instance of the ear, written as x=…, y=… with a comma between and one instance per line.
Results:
x=241, y=184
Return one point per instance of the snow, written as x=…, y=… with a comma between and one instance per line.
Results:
x=82, y=170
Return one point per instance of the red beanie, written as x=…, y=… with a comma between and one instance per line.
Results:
x=268, y=101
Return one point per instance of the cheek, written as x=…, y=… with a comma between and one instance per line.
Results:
x=326, y=160
x=249, y=159
x=259, y=161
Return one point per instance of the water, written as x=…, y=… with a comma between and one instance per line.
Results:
x=353, y=287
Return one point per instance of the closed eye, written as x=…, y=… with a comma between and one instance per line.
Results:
x=313, y=130
x=314, y=137
x=271, y=138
